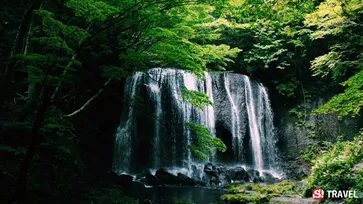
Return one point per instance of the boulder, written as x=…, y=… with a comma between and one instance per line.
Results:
x=216, y=175
x=214, y=181
x=237, y=174
x=254, y=175
x=210, y=180
x=210, y=169
x=197, y=172
x=200, y=182
x=296, y=170
x=269, y=178
x=137, y=185
x=357, y=167
x=152, y=180
x=124, y=180
x=211, y=175
x=185, y=180
x=166, y=177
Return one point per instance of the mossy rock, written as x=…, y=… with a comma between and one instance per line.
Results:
x=245, y=198
x=259, y=193
x=283, y=188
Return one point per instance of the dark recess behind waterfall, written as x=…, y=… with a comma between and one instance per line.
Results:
x=96, y=128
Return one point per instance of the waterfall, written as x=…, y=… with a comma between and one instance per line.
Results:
x=254, y=124
x=155, y=136
x=122, y=158
x=235, y=119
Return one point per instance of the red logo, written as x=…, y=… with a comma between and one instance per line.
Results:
x=318, y=193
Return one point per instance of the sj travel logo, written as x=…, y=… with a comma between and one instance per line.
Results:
x=318, y=194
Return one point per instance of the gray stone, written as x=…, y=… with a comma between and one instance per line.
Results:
x=357, y=167
x=166, y=177
x=292, y=200
x=152, y=180
x=185, y=180
x=269, y=178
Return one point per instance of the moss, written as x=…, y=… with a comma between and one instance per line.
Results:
x=282, y=188
x=259, y=193
x=245, y=198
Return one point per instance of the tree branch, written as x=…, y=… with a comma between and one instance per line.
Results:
x=90, y=100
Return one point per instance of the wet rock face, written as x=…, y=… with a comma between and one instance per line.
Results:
x=295, y=138
x=254, y=175
x=184, y=180
x=237, y=174
x=295, y=170
x=269, y=178
x=213, y=175
x=153, y=180
x=162, y=177
x=210, y=169
x=219, y=175
x=196, y=172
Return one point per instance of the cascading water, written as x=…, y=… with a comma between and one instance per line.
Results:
x=154, y=135
x=254, y=125
x=125, y=130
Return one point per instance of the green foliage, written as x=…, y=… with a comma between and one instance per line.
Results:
x=333, y=169
x=196, y=98
x=322, y=65
x=296, y=113
x=328, y=18
x=114, y=72
x=93, y=10
x=333, y=16
x=314, y=150
x=287, y=89
x=15, y=151
x=272, y=38
x=338, y=21
x=348, y=103
x=270, y=47
x=203, y=141
x=53, y=28
x=187, y=37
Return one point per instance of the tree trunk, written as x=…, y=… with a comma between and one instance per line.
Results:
x=31, y=86
x=32, y=91
x=18, y=43
x=16, y=47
